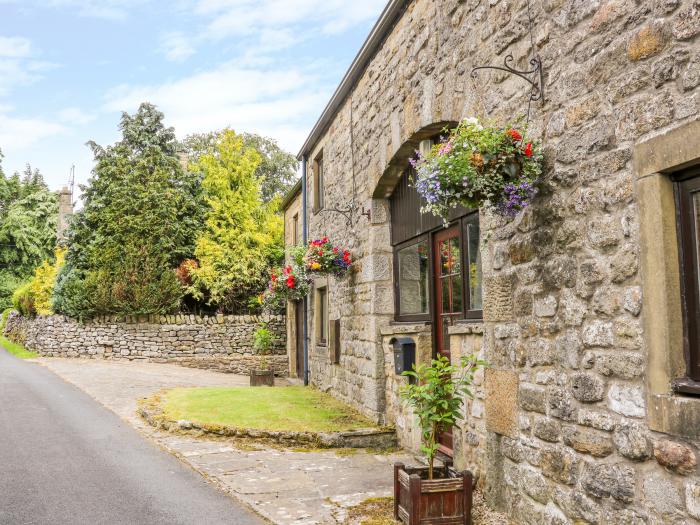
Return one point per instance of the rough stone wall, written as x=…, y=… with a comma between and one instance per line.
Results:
x=223, y=343
x=397, y=412
x=562, y=284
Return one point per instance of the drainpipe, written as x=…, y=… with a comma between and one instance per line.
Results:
x=304, y=239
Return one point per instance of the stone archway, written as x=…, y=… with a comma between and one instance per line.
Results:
x=399, y=161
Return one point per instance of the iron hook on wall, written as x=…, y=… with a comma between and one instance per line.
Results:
x=534, y=76
x=349, y=213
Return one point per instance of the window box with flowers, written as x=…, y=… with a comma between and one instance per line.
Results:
x=479, y=166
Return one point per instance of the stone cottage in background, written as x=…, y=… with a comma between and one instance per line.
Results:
x=586, y=305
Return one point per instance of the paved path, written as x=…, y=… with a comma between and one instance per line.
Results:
x=287, y=487
x=64, y=459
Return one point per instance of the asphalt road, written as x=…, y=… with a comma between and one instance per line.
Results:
x=65, y=459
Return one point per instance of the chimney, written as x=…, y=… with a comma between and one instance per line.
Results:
x=65, y=211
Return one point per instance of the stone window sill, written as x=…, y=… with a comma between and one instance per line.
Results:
x=686, y=386
x=466, y=327
x=396, y=328
x=674, y=414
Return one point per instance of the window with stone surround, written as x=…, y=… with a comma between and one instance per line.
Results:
x=413, y=279
x=322, y=316
x=412, y=238
x=687, y=193
x=658, y=164
x=295, y=229
x=318, y=183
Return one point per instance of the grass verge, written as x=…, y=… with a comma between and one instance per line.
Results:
x=292, y=408
x=15, y=349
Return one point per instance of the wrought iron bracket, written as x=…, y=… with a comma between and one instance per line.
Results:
x=349, y=213
x=534, y=76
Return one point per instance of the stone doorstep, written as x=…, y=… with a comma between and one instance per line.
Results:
x=382, y=438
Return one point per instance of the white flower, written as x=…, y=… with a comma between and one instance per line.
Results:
x=472, y=120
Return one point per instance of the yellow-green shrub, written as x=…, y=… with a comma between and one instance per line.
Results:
x=43, y=283
x=23, y=300
x=35, y=297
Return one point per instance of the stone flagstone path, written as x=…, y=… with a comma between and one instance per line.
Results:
x=284, y=486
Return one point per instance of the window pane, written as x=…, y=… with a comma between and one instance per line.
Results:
x=413, y=279
x=455, y=257
x=456, y=293
x=474, y=265
x=444, y=248
x=445, y=293
x=446, y=323
x=323, y=315
x=696, y=216
x=320, y=184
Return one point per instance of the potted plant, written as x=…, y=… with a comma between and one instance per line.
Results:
x=289, y=283
x=428, y=494
x=262, y=343
x=322, y=257
x=479, y=166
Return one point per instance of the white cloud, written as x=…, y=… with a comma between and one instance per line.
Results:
x=15, y=47
x=18, y=133
x=75, y=116
x=17, y=67
x=245, y=17
x=263, y=27
x=274, y=102
x=176, y=46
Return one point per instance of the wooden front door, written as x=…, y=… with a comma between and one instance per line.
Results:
x=299, y=340
x=448, y=298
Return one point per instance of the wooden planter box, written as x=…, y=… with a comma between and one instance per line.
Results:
x=445, y=500
x=262, y=378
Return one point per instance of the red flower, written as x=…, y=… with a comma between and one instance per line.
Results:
x=325, y=240
x=290, y=281
x=528, y=149
x=513, y=133
x=335, y=250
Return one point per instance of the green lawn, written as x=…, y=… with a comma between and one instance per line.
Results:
x=293, y=408
x=15, y=349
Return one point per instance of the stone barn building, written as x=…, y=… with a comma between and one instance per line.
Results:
x=586, y=305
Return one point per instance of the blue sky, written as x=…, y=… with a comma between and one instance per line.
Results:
x=69, y=67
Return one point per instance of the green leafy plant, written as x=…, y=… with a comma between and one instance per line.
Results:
x=140, y=217
x=28, y=216
x=437, y=396
x=3, y=319
x=23, y=300
x=262, y=343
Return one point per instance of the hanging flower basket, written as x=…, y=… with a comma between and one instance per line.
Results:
x=479, y=166
x=321, y=257
x=289, y=283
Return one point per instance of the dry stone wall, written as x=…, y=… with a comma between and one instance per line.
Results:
x=223, y=343
x=561, y=433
